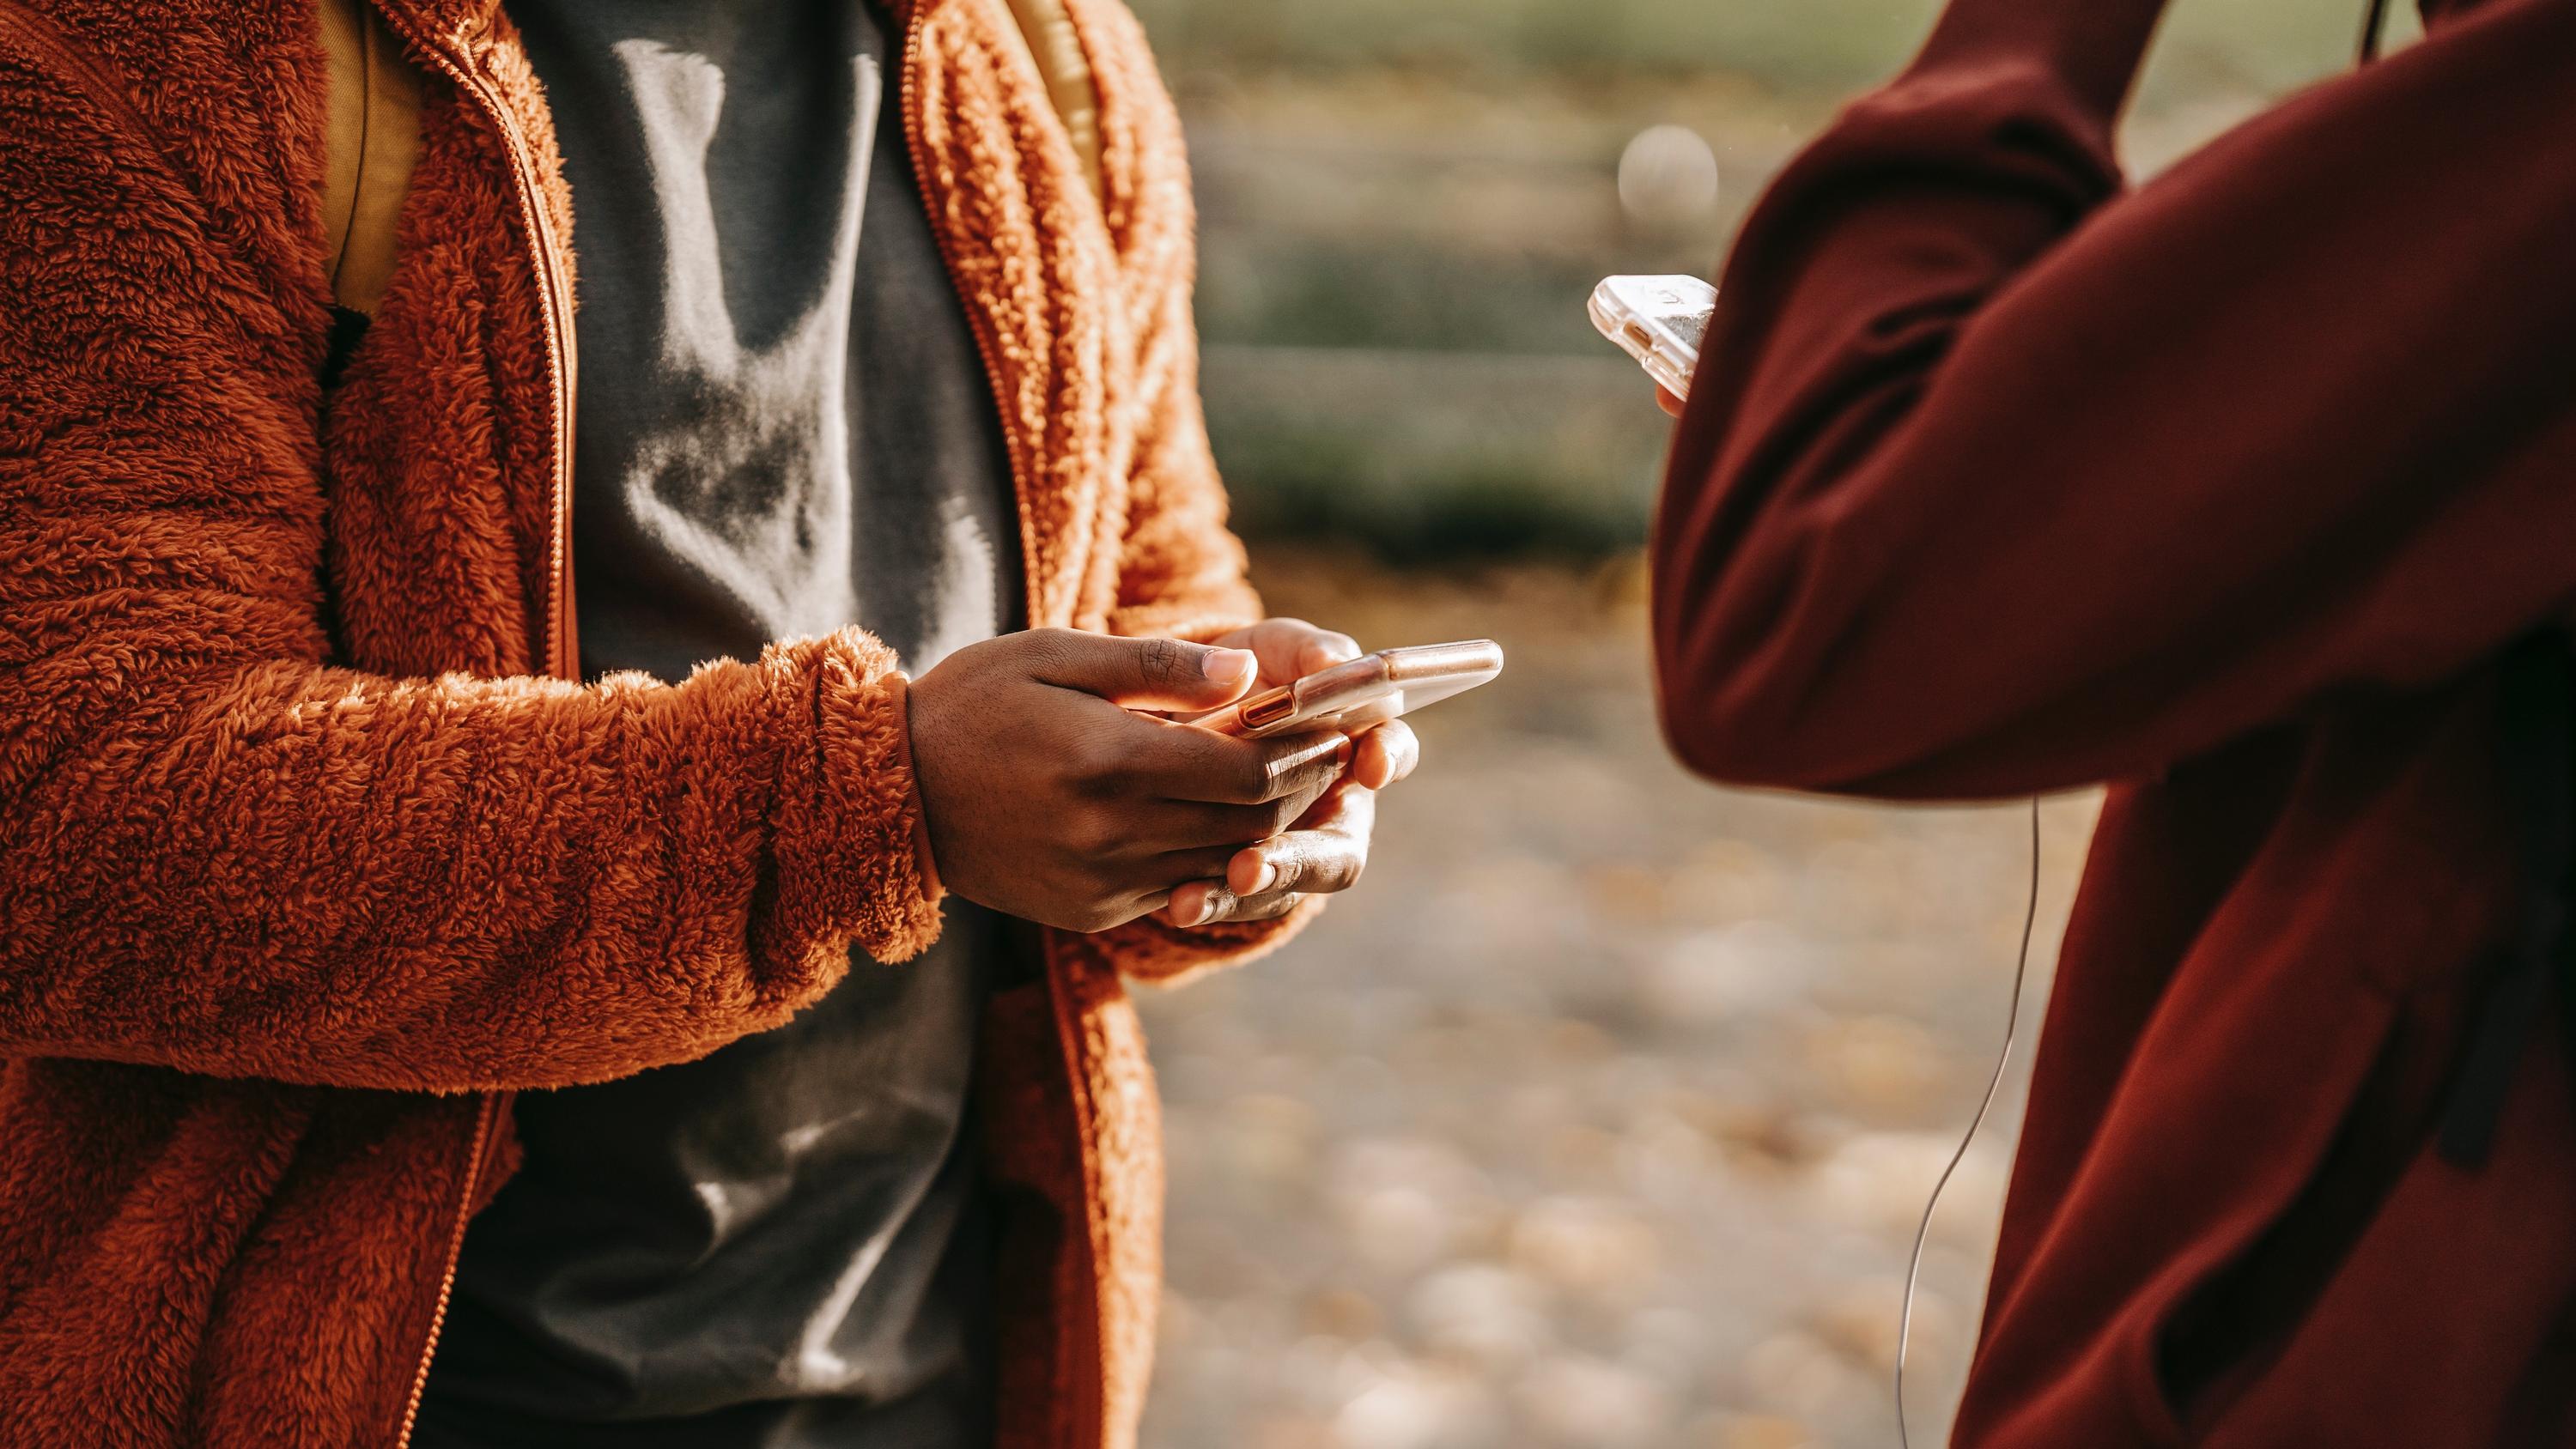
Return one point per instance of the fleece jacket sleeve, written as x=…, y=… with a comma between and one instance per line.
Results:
x=1993, y=480
x=221, y=853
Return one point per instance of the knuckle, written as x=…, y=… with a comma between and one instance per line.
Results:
x=1165, y=661
x=1103, y=900
x=1250, y=778
x=1089, y=834
x=1100, y=779
x=1343, y=871
x=1271, y=908
x=1289, y=871
x=1076, y=875
x=1048, y=648
x=1095, y=764
x=1302, y=786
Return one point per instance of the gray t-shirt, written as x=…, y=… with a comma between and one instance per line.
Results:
x=784, y=427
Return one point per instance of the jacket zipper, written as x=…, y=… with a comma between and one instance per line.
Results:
x=554, y=297
x=556, y=648
x=477, y=1148
x=41, y=35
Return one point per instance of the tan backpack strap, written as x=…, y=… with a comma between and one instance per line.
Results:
x=1057, y=48
x=371, y=137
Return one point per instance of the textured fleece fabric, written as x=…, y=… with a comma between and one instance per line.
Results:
x=308, y=865
x=2234, y=492
x=783, y=428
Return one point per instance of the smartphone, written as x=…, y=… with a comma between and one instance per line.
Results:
x=1368, y=689
x=1658, y=321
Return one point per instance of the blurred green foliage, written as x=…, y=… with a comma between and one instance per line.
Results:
x=1404, y=204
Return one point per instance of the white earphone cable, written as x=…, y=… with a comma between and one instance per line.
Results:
x=1994, y=1083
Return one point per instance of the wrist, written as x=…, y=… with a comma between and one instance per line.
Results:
x=925, y=862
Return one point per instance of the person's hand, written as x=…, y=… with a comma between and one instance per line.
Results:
x=1048, y=796
x=1291, y=649
x=1664, y=399
x=1324, y=851
x=1327, y=848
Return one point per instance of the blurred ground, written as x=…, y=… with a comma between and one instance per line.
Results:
x=1602, y=1114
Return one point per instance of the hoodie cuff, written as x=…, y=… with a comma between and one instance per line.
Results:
x=850, y=847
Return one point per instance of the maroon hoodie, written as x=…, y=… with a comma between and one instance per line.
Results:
x=2237, y=493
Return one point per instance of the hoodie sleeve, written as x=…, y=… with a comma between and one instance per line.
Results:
x=1994, y=481
x=224, y=854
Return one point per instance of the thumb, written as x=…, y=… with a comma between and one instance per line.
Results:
x=1147, y=673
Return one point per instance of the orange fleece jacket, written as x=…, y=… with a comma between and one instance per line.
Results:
x=307, y=862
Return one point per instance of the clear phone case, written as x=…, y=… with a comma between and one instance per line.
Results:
x=1370, y=688
x=1658, y=321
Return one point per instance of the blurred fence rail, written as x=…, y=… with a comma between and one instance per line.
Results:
x=1432, y=453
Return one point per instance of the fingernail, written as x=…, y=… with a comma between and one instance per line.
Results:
x=1342, y=753
x=1208, y=903
x=1227, y=666
x=1269, y=877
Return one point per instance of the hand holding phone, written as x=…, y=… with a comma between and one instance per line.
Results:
x=1051, y=790
x=1326, y=848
